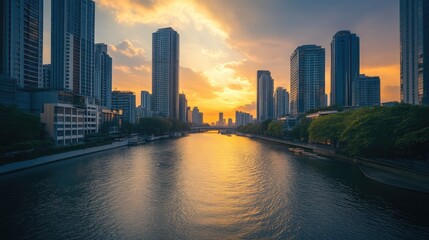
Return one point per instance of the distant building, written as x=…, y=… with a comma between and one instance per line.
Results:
x=47, y=75
x=242, y=118
x=103, y=75
x=197, y=117
x=307, y=82
x=265, y=102
x=221, y=121
x=230, y=124
x=414, y=39
x=125, y=101
x=146, y=100
x=281, y=103
x=183, y=105
x=165, y=72
x=345, y=67
x=188, y=115
x=366, y=91
x=72, y=46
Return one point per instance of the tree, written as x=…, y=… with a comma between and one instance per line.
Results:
x=275, y=129
x=18, y=127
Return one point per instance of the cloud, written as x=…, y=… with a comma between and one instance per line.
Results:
x=177, y=14
x=131, y=67
x=249, y=108
x=195, y=85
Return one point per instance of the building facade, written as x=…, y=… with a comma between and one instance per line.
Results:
x=72, y=46
x=47, y=75
x=281, y=103
x=414, y=39
x=265, y=102
x=21, y=46
x=183, y=106
x=103, y=75
x=165, y=72
x=242, y=118
x=366, y=91
x=125, y=101
x=307, y=79
x=345, y=67
x=197, y=117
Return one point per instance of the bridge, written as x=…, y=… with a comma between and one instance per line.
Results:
x=212, y=128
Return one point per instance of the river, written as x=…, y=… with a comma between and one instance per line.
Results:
x=205, y=186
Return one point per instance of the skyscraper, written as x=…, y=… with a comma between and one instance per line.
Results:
x=265, y=88
x=72, y=46
x=183, y=106
x=103, y=75
x=345, y=62
x=414, y=38
x=307, y=79
x=281, y=102
x=21, y=43
x=165, y=72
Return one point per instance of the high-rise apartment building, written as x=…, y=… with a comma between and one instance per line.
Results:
x=281, y=102
x=125, y=101
x=265, y=102
x=21, y=43
x=242, y=118
x=103, y=75
x=345, y=64
x=197, y=117
x=366, y=91
x=72, y=46
x=183, y=106
x=307, y=79
x=145, y=99
x=414, y=39
x=165, y=72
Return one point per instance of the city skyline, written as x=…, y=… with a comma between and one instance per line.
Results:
x=231, y=46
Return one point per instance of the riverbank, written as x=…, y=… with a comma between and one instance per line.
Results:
x=17, y=166
x=384, y=172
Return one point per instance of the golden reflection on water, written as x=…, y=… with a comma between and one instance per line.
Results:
x=226, y=182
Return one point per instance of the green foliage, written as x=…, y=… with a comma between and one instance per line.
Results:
x=275, y=129
x=301, y=130
x=18, y=126
x=160, y=126
x=376, y=131
x=250, y=128
x=328, y=128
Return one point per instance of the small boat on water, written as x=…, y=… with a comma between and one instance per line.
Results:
x=297, y=150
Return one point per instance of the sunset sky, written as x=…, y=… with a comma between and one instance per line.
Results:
x=224, y=42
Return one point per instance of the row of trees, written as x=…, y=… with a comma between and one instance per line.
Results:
x=155, y=126
x=399, y=131
x=20, y=130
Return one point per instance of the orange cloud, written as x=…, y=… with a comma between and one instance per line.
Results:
x=389, y=80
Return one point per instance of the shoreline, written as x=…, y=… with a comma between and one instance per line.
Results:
x=388, y=174
x=22, y=165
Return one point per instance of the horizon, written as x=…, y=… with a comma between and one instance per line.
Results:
x=220, y=53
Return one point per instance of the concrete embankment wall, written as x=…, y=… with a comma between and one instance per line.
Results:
x=12, y=167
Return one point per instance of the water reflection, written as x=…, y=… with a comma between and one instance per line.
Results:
x=205, y=186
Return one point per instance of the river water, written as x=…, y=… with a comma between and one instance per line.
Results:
x=205, y=186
